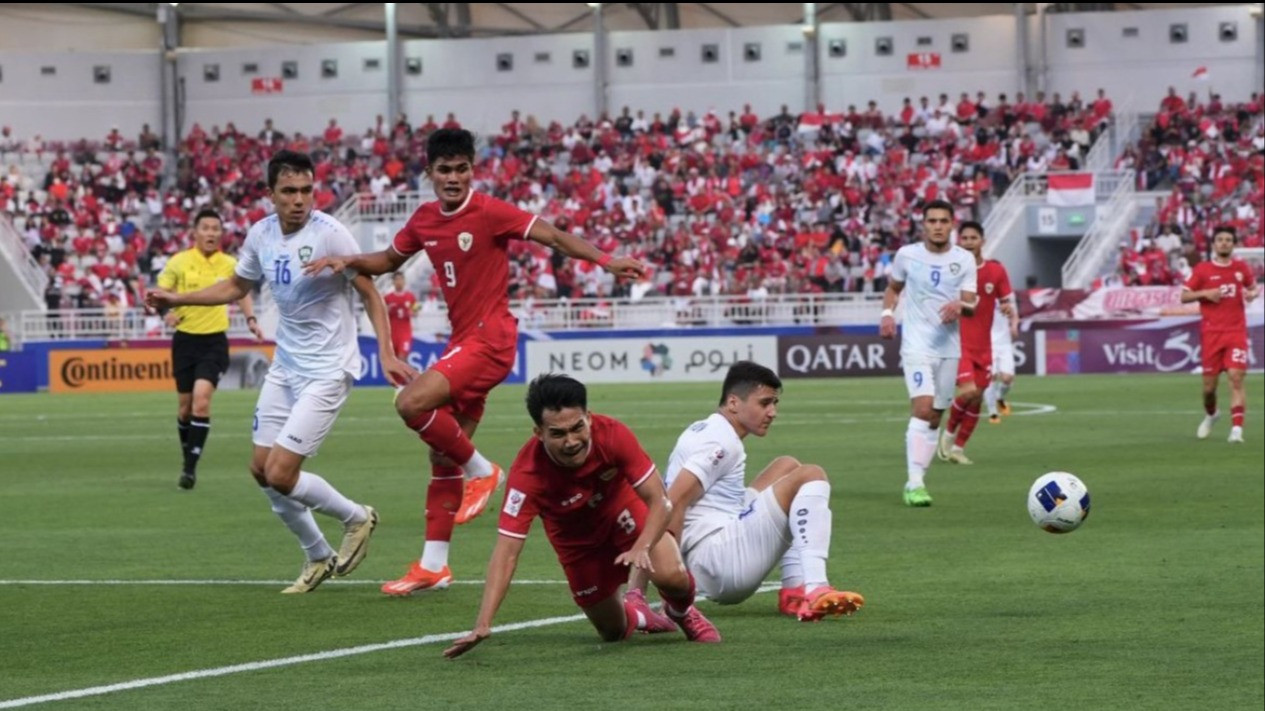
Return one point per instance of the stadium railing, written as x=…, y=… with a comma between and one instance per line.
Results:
x=21, y=265
x=1093, y=253
x=655, y=313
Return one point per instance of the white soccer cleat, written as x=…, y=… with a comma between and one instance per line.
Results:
x=1205, y=427
x=1236, y=435
x=944, y=444
x=958, y=456
x=314, y=573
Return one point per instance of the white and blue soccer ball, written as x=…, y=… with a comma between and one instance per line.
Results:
x=1058, y=502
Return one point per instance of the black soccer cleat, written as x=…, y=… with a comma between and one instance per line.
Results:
x=187, y=480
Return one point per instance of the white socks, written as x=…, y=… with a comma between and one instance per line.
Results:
x=810, y=531
x=301, y=523
x=792, y=568
x=315, y=493
x=434, y=555
x=1002, y=390
x=990, y=398
x=920, y=447
x=477, y=468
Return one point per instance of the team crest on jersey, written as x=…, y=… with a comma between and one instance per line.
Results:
x=305, y=254
x=955, y=268
x=465, y=240
x=608, y=474
x=514, y=502
x=988, y=289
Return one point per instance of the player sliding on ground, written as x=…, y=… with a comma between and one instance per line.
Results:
x=731, y=534
x=604, y=511
x=466, y=235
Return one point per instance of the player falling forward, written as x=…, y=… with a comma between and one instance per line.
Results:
x=316, y=359
x=401, y=305
x=604, y=511
x=975, y=368
x=940, y=277
x=731, y=534
x=1223, y=287
x=1005, y=331
x=466, y=235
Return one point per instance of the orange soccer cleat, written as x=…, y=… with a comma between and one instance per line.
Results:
x=828, y=601
x=477, y=493
x=789, y=599
x=418, y=579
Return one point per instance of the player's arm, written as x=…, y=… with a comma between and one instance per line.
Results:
x=396, y=371
x=1212, y=296
x=969, y=299
x=371, y=263
x=891, y=297
x=247, y=305
x=579, y=248
x=218, y=293
x=501, y=569
x=651, y=491
x=686, y=489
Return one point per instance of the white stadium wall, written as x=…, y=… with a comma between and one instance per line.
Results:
x=462, y=76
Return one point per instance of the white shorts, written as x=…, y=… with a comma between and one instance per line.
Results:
x=297, y=412
x=931, y=377
x=1004, y=360
x=730, y=564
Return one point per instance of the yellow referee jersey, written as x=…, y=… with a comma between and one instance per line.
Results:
x=190, y=270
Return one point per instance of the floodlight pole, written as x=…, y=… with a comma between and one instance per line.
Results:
x=1026, y=84
x=394, y=109
x=170, y=96
x=812, y=58
x=600, y=100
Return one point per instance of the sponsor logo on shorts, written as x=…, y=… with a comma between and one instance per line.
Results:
x=573, y=499
x=514, y=502
x=294, y=439
x=586, y=591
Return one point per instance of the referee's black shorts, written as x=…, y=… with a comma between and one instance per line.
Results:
x=198, y=356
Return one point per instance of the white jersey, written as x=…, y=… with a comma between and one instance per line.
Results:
x=316, y=334
x=1001, y=328
x=713, y=452
x=931, y=280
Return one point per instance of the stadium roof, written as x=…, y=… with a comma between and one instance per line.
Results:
x=486, y=19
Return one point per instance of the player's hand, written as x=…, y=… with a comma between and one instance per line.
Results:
x=172, y=319
x=335, y=265
x=637, y=557
x=253, y=325
x=887, y=327
x=160, y=299
x=626, y=267
x=467, y=643
x=396, y=371
x=1007, y=310
x=1213, y=296
x=950, y=312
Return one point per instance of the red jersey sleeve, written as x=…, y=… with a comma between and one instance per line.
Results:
x=1195, y=282
x=520, y=507
x=633, y=462
x=505, y=221
x=1003, y=283
x=1249, y=279
x=408, y=241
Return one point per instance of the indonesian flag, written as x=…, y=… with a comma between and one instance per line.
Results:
x=1070, y=189
x=1201, y=74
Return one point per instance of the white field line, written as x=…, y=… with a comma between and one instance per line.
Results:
x=284, y=662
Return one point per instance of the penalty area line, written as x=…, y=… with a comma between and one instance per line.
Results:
x=286, y=661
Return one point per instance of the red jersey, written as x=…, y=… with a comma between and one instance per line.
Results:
x=400, y=305
x=993, y=284
x=1228, y=314
x=469, y=250
x=580, y=505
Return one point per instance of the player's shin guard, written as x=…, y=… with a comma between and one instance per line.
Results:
x=443, y=498
x=810, y=523
x=440, y=431
x=677, y=602
x=970, y=419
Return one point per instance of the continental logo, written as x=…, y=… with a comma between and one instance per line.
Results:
x=110, y=370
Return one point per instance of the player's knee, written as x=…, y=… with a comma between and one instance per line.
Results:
x=257, y=471
x=810, y=472
x=1007, y=379
x=784, y=461
x=280, y=477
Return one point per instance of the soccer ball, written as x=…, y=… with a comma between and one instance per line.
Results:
x=1058, y=502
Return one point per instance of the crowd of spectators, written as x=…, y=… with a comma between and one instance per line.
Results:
x=716, y=204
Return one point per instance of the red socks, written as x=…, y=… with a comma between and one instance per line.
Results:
x=955, y=414
x=443, y=498
x=440, y=431
x=1236, y=415
x=677, y=605
x=970, y=419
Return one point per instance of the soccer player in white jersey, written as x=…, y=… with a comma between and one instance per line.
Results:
x=316, y=359
x=939, y=278
x=1005, y=331
x=732, y=534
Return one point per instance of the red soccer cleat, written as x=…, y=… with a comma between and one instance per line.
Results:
x=477, y=493
x=696, y=627
x=651, y=622
x=418, y=579
x=826, y=600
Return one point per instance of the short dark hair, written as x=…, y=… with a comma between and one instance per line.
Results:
x=939, y=205
x=206, y=213
x=286, y=160
x=1228, y=229
x=744, y=377
x=449, y=143
x=554, y=391
x=971, y=225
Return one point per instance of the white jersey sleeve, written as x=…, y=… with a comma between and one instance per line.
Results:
x=712, y=451
x=248, y=266
x=932, y=279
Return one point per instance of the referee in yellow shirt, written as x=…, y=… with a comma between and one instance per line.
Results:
x=199, y=350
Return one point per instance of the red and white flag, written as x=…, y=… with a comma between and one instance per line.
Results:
x=1201, y=74
x=1070, y=189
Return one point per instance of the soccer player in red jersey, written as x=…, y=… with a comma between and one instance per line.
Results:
x=975, y=370
x=1223, y=287
x=466, y=235
x=401, y=305
x=604, y=510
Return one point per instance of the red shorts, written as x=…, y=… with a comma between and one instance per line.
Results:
x=1223, y=350
x=473, y=368
x=401, y=343
x=593, y=573
x=977, y=367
